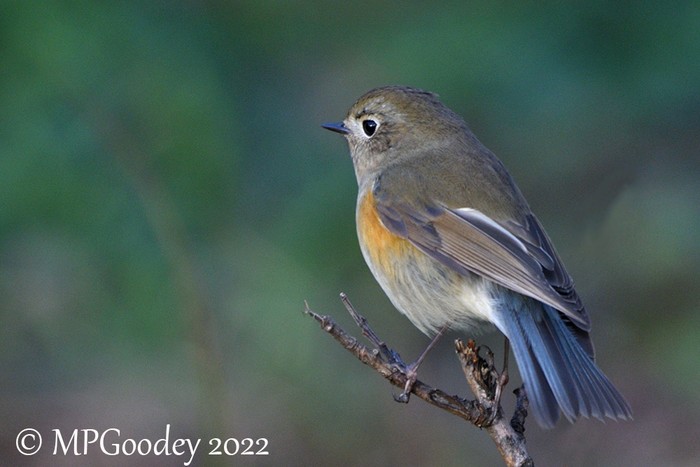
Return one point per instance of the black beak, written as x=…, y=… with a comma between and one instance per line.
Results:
x=337, y=127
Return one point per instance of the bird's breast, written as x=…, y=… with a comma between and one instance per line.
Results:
x=383, y=250
x=429, y=293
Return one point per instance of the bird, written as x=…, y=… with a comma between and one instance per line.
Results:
x=453, y=243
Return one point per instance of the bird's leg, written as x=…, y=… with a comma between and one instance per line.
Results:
x=391, y=356
x=411, y=371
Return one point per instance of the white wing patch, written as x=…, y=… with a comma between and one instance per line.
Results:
x=477, y=218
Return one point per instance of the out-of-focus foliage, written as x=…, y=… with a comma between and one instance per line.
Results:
x=168, y=201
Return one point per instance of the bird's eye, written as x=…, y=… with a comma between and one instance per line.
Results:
x=369, y=127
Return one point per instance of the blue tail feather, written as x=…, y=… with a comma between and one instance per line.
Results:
x=557, y=365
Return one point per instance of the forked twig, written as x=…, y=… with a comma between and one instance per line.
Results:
x=480, y=372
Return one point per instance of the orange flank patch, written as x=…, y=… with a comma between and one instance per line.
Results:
x=384, y=247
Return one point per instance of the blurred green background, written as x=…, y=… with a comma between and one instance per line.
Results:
x=168, y=202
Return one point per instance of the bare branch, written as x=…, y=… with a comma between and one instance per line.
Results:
x=482, y=377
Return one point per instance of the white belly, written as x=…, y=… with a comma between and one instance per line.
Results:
x=432, y=295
